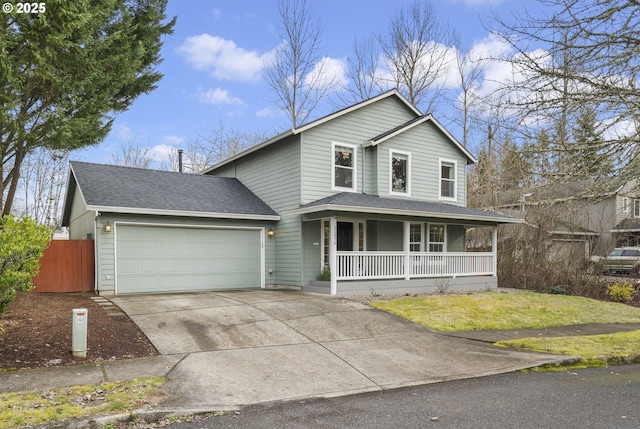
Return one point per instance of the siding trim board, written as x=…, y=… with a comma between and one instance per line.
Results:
x=129, y=210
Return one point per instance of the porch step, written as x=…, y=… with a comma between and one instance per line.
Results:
x=318, y=287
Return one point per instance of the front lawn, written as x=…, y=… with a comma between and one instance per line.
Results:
x=520, y=310
x=500, y=310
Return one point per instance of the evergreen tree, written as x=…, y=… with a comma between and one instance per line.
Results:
x=68, y=70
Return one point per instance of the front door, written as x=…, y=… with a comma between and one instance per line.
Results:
x=345, y=236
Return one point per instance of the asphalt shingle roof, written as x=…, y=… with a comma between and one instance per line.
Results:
x=368, y=202
x=135, y=188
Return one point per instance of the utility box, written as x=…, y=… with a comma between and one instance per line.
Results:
x=79, y=332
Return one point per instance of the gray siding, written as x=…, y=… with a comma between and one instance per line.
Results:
x=81, y=221
x=456, y=238
x=273, y=174
x=353, y=128
x=390, y=236
x=311, y=236
x=427, y=145
x=431, y=285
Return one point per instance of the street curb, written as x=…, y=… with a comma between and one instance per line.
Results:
x=143, y=415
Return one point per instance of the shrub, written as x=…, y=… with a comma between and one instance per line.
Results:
x=325, y=275
x=22, y=243
x=621, y=291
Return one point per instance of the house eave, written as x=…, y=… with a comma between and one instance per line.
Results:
x=182, y=213
x=396, y=212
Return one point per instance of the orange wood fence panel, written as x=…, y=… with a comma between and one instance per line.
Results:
x=66, y=266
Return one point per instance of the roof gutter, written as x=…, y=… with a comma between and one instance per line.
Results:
x=386, y=211
x=133, y=210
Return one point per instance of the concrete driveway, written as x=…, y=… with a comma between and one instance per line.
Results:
x=235, y=348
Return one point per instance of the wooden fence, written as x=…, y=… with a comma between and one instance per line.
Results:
x=67, y=266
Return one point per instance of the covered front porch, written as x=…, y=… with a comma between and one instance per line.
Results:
x=415, y=255
x=411, y=246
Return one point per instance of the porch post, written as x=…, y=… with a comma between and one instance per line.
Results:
x=494, y=249
x=333, y=260
x=406, y=240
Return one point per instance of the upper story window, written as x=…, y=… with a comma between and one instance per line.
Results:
x=343, y=174
x=636, y=208
x=448, y=179
x=400, y=172
x=625, y=205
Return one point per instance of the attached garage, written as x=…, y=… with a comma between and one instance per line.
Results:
x=153, y=258
x=160, y=231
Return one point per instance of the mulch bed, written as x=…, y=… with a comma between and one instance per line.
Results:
x=38, y=332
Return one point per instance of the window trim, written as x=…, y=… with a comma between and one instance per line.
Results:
x=636, y=208
x=421, y=242
x=428, y=237
x=354, y=187
x=407, y=193
x=626, y=206
x=454, y=163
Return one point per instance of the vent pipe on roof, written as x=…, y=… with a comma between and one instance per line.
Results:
x=180, y=160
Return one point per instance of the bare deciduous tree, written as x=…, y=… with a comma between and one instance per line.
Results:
x=42, y=184
x=416, y=50
x=133, y=154
x=296, y=72
x=582, y=53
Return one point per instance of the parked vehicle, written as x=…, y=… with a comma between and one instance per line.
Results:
x=621, y=260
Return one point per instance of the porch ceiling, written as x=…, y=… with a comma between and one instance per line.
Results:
x=372, y=204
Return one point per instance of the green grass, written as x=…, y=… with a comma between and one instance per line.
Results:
x=497, y=310
x=26, y=409
x=528, y=310
x=608, y=347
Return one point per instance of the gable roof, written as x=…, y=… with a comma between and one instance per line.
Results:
x=295, y=131
x=365, y=203
x=381, y=138
x=112, y=188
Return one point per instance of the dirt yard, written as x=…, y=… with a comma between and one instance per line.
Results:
x=37, y=332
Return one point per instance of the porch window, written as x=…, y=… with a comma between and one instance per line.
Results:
x=415, y=237
x=400, y=171
x=344, y=170
x=436, y=238
x=447, y=179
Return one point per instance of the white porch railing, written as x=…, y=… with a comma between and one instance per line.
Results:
x=395, y=265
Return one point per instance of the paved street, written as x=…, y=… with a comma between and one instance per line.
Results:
x=590, y=398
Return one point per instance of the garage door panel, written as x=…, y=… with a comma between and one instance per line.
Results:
x=167, y=259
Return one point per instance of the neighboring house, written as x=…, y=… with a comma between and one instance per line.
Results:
x=375, y=194
x=579, y=219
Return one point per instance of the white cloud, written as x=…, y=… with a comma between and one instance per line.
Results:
x=266, y=113
x=222, y=58
x=328, y=72
x=122, y=132
x=173, y=140
x=161, y=152
x=217, y=13
x=217, y=96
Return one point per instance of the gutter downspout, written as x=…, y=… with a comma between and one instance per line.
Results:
x=96, y=286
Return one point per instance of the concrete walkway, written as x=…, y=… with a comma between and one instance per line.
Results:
x=222, y=350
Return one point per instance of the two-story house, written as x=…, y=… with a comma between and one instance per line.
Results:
x=373, y=195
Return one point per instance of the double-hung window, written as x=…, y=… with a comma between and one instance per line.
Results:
x=436, y=237
x=415, y=237
x=636, y=208
x=400, y=172
x=448, y=179
x=343, y=174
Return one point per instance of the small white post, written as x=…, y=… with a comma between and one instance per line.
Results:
x=79, y=332
x=333, y=259
x=406, y=247
x=494, y=249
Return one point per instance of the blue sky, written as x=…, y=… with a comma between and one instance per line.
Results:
x=212, y=65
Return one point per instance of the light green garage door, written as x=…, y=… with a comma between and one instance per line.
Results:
x=168, y=259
